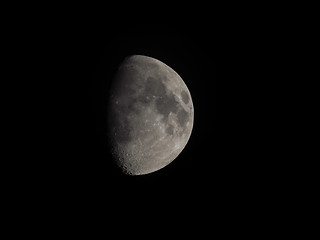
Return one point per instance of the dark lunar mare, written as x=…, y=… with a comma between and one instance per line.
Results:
x=182, y=117
x=154, y=91
x=165, y=101
x=185, y=97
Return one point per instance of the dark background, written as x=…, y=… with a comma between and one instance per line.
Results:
x=84, y=59
x=225, y=168
x=235, y=166
x=228, y=171
x=225, y=163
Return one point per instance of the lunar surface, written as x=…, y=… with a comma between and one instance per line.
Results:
x=150, y=115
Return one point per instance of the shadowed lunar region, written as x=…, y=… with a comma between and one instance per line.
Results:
x=150, y=115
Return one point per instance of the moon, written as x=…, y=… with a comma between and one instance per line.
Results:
x=150, y=115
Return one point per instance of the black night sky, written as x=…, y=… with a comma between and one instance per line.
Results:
x=85, y=57
x=228, y=167
x=69, y=56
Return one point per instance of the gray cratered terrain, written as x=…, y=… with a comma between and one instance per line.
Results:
x=150, y=115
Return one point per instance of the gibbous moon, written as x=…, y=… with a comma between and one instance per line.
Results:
x=150, y=115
